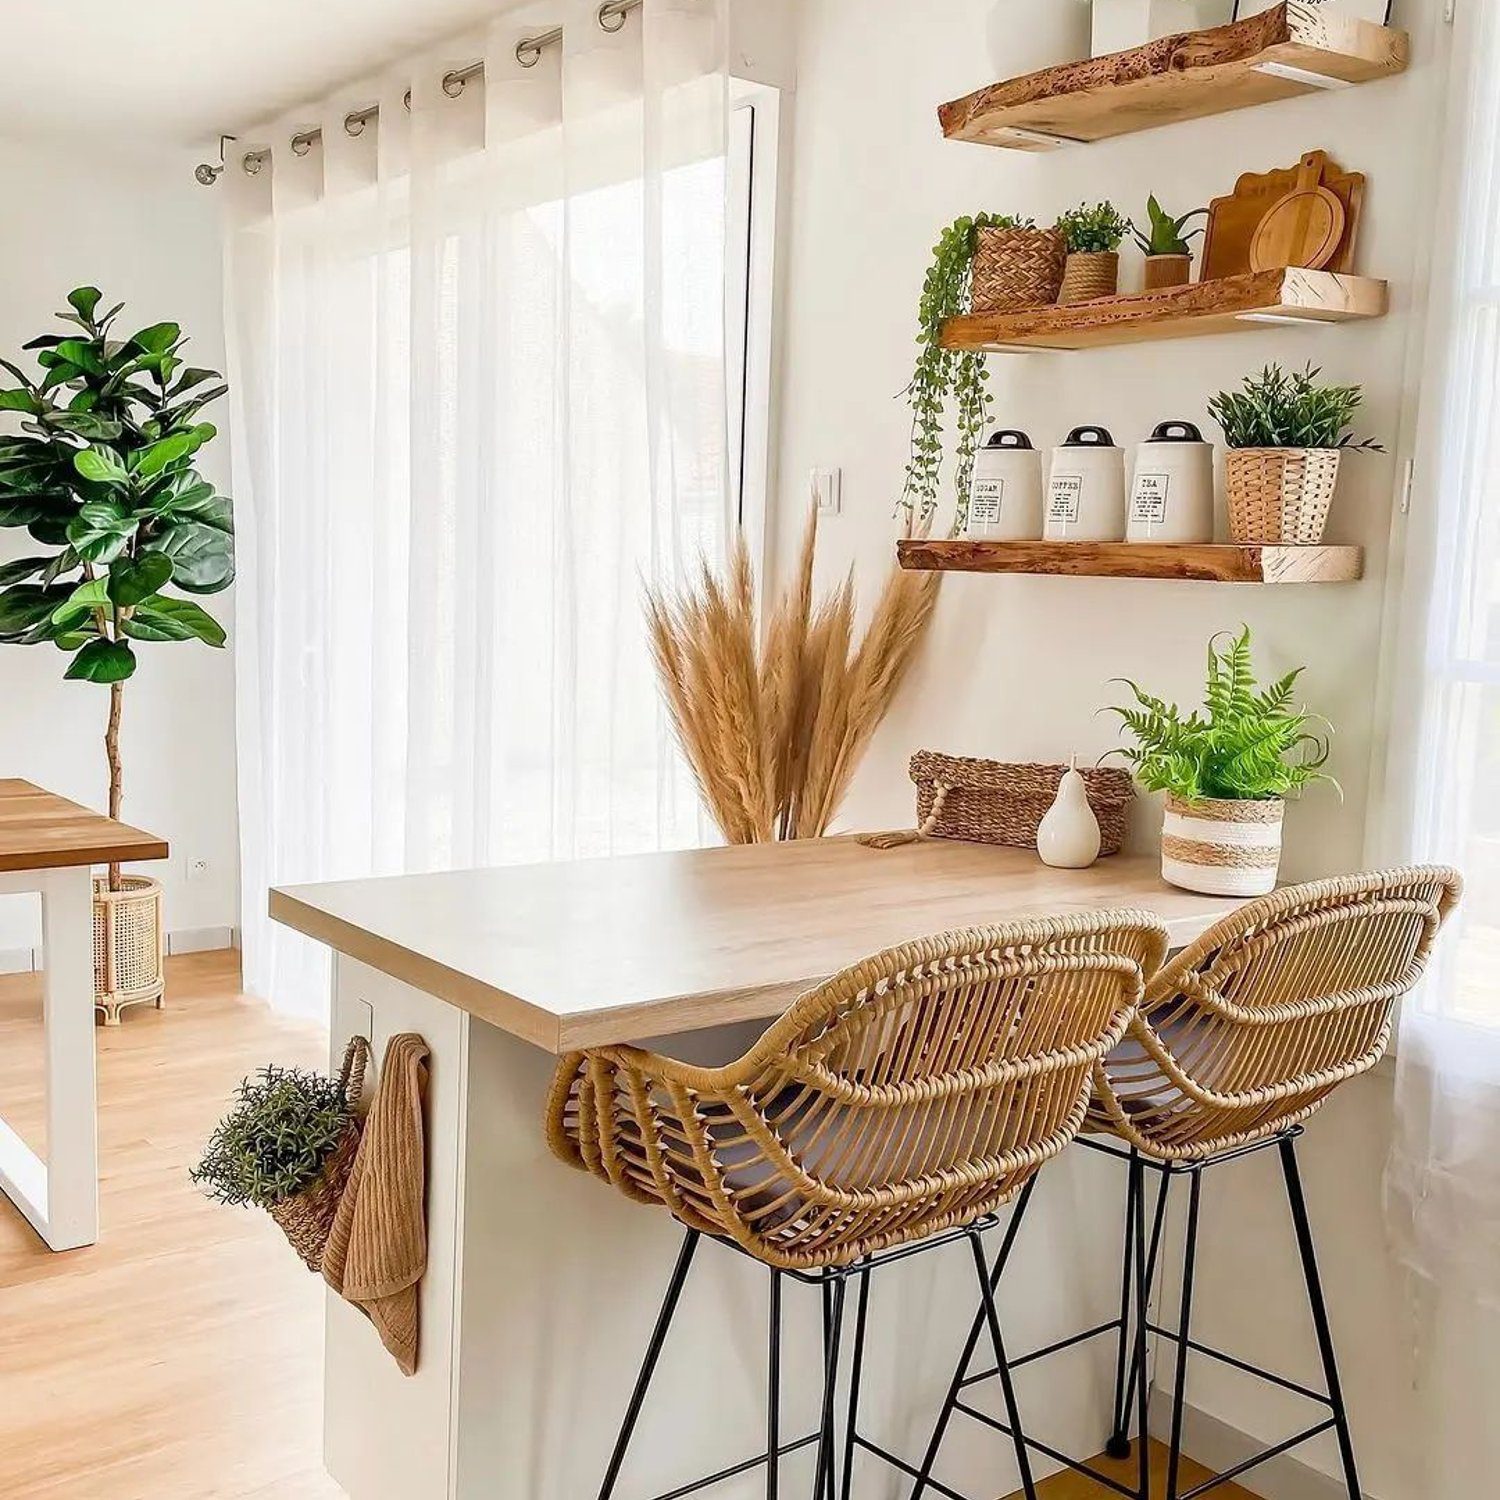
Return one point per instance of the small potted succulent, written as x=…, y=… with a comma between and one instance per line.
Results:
x=1092, y=235
x=1286, y=434
x=1169, y=256
x=1227, y=771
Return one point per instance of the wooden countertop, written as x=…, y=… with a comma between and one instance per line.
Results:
x=40, y=831
x=590, y=952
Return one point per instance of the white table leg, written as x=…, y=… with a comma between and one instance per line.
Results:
x=60, y=1196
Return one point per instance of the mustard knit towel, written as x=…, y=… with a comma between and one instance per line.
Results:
x=377, y=1250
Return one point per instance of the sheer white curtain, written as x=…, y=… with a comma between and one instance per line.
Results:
x=478, y=351
x=1443, y=1183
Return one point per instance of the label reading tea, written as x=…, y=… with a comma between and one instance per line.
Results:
x=1062, y=498
x=984, y=502
x=1148, y=500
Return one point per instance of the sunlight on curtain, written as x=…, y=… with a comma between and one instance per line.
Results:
x=479, y=352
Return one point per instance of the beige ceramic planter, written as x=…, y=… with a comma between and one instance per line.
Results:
x=128, y=946
x=1222, y=848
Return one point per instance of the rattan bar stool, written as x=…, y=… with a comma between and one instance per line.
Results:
x=1239, y=1039
x=892, y=1110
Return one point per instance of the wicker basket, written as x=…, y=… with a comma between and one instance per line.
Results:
x=1017, y=268
x=1280, y=494
x=128, y=945
x=306, y=1218
x=990, y=802
x=1222, y=848
x=1090, y=275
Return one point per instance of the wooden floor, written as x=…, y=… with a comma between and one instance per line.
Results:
x=1071, y=1486
x=181, y=1357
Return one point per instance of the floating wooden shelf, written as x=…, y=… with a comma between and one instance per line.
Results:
x=1291, y=49
x=1229, y=305
x=1205, y=563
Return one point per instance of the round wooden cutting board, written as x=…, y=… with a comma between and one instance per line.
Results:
x=1302, y=229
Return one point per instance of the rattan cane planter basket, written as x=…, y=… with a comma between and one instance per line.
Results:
x=1017, y=268
x=1090, y=275
x=1222, y=848
x=306, y=1218
x=1280, y=495
x=128, y=945
x=991, y=802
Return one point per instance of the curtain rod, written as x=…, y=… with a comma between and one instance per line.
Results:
x=610, y=16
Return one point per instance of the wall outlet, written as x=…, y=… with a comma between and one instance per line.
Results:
x=828, y=487
x=194, y=869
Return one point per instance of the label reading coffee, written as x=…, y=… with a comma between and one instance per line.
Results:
x=1063, y=496
x=984, y=502
x=1148, y=500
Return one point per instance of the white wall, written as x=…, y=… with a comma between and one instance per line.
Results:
x=1016, y=668
x=143, y=231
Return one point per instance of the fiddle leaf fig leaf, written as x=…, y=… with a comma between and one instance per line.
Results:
x=82, y=602
x=163, y=618
x=102, y=661
x=102, y=466
x=84, y=301
x=132, y=580
x=202, y=557
x=21, y=569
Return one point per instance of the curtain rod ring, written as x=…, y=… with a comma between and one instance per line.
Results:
x=528, y=52
x=454, y=84
x=611, y=17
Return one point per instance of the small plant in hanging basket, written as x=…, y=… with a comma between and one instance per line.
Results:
x=1227, y=771
x=1286, y=434
x=1169, y=255
x=1092, y=234
x=287, y=1146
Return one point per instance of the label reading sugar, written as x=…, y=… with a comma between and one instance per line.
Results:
x=984, y=502
x=1148, y=500
x=1063, y=496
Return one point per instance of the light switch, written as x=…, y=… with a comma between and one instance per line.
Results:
x=828, y=488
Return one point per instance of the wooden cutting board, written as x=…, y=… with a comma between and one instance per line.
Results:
x=1234, y=220
x=1302, y=229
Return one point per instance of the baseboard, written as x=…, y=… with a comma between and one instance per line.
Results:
x=184, y=940
x=1218, y=1446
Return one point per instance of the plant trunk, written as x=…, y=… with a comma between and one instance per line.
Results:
x=112, y=754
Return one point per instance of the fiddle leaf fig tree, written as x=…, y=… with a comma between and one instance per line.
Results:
x=101, y=478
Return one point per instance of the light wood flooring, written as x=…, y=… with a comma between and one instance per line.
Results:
x=1070, y=1486
x=180, y=1357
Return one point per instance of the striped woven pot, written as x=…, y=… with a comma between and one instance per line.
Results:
x=1222, y=848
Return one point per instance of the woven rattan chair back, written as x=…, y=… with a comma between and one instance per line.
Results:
x=913, y=1092
x=1247, y=1031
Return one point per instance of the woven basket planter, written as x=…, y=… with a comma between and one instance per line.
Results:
x=1163, y=271
x=1016, y=268
x=128, y=945
x=1280, y=495
x=1222, y=848
x=306, y=1218
x=1090, y=275
x=990, y=802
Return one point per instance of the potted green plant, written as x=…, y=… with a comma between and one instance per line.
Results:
x=1169, y=256
x=1092, y=234
x=101, y=479
x=287, y=1146
x=1286, y=434
x=954, y=377
x=1227, y=771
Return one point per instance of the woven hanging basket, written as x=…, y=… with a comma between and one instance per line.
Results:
x=1280, y=495
x=1016, y=268
x=1090, y=275
x=1222, y=848
x=991, y=802
x=306, y=1218
x=128, y=945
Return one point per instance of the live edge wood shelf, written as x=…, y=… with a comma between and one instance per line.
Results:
x=1291, y=49
x=1211, y=564
x=1227, y=305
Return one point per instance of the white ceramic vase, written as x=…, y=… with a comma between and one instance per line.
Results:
x=1028, y=35
x=1068, y=836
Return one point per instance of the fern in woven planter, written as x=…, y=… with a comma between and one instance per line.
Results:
x=120, y=530
x=1226, y=769
x=1286, y=434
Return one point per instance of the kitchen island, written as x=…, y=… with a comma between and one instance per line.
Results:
x=542, y=1285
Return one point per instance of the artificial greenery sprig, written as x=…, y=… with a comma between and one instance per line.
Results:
x=1166, y=236
x=944, y=375
x=1245, y=745
x=1278, y=410
x=275, y=1140
x=1093, y=229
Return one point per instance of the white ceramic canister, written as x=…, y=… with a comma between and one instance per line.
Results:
x=1029, y=35
x=1086, y=491
x=1005, y=494
x=1172, y=487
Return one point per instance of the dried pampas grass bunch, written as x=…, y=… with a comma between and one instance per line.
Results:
x=774, y=725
